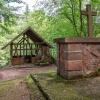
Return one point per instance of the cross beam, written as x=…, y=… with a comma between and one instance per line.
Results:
x=89, y=13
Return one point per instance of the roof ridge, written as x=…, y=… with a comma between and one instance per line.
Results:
x=30, y=29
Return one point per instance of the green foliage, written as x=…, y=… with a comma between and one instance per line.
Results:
x=64, y=22
x=7, y=16
x=35, y=93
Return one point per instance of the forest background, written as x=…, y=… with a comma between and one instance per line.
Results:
x=50, y=18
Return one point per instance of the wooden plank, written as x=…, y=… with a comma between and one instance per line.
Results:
x=11, y=50
x=31, y=49
x=26, y=49
x=23, y=45
x=89, y=13
x=20, y=50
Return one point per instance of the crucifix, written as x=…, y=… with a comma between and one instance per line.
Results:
x=89, y=13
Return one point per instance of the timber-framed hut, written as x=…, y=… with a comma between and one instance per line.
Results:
x=28, y=47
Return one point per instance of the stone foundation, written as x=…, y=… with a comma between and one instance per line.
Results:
x=77, y=57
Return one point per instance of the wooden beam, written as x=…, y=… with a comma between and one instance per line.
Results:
x=23, y=45
x=11, y=50
x=85, y=13
x=89, y=13
x=26, y=49
x=20, y=50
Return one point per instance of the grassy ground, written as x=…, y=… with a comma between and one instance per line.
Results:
x=14, y=90
x=54, y=86
x=34, y=91
x=19, y=89
x=5, y=86
x=15, y=86
x=60, y=89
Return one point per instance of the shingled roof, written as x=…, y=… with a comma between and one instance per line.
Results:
x=34, y=36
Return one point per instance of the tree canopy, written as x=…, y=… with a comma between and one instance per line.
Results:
x=50, y=18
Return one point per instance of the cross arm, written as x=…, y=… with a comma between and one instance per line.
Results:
x=85, y=13
x=94, y=13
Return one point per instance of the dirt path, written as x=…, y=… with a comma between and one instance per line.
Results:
x=12, y=84
x=12, y=73
x=89, y=87
x=15, y=90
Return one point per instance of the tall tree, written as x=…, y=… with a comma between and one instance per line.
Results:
x=7, y=15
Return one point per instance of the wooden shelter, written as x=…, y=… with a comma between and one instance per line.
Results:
x=28, y=47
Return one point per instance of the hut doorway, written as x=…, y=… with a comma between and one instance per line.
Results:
x=27, y=59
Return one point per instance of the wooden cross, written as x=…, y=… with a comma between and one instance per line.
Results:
x=89, y=13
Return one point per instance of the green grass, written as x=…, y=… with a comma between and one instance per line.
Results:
x=60, y=89
x=57, y=88
x=35, y=93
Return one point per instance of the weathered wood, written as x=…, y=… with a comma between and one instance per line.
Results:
x=11, y=50
x=27, y=48
x=15, y=51
x=23, y=45
x=32, y=35
x=20, y=50
x=31, y=49
x=89, y=13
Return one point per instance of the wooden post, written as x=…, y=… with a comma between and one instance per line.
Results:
x=31, y=49
x=23, y=45
x=26, y=49
x=11, y=51
x=89, y=13
x=20, y=49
